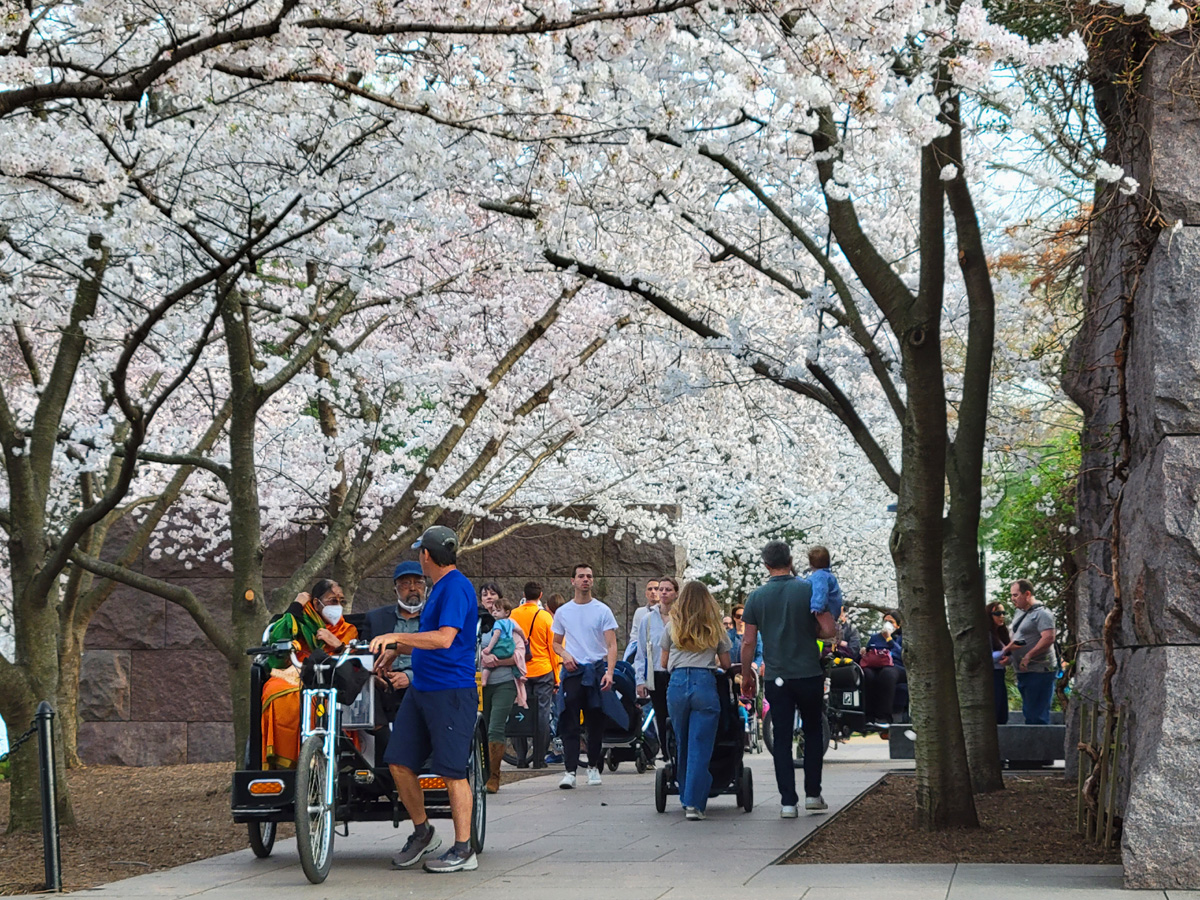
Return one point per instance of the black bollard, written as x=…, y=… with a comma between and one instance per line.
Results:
x=50, y=854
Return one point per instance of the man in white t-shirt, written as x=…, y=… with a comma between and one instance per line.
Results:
x=585, y=637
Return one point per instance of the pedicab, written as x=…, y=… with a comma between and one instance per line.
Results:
x=338, y=778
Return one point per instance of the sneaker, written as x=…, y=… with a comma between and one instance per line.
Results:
x=554, y=759
x=453, y=861
x=568, y=781
x=594, y=776
x=415, y=849
x=815, y=804
x=788, y=812
x=691, y=812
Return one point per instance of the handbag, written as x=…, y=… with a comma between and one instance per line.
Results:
x=876, y=658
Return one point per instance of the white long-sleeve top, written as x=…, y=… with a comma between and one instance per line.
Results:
x=649, y=648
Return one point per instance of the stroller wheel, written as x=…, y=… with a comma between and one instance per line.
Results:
x=660, y=789
x=745, y=789
x=640, y=763
x=611, y=761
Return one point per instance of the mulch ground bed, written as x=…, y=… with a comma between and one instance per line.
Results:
x=1032, y=821
x=133, y=821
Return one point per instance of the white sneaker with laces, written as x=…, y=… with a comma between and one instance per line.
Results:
x=815, y=804
x=788, y=812
x=594, y=776
x=693, y=813
x=568, y=781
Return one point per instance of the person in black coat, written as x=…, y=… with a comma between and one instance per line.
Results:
x=403, y=616
x=849, y=644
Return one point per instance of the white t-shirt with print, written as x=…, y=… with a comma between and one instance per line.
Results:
x=583, y=626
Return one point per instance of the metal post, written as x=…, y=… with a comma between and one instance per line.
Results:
x=50, y=850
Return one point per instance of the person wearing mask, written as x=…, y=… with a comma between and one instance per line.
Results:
x=313, y=621
x=404, y=616
x=639, y=614
x=1000, y=639
x=1031, y=650
x=585, y=637
x=652, y=678
x=541, y=675
x=781, y=610
x=879, y=681
x=693, y=644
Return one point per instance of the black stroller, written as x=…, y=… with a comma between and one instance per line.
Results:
x=634, y=742
x=729, y=774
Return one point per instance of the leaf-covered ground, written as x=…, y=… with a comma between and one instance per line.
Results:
x=1032, y=821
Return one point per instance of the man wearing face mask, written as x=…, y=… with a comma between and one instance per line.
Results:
x=402, y=617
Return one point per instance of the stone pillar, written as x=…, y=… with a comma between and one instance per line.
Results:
x=1143, y=273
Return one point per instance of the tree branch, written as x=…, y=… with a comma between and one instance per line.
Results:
x=846, y=413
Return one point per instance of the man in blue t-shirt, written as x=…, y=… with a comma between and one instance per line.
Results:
x=436, y=720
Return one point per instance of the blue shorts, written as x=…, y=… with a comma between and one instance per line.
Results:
x=450, y=715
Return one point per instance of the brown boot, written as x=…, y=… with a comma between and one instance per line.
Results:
x=496, y=753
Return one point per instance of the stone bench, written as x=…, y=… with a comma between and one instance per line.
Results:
x=1019, y=744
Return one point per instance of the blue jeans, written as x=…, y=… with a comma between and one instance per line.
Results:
x=695, y=709
x=1037, y=689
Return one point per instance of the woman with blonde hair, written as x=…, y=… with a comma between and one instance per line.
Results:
x=693, y=645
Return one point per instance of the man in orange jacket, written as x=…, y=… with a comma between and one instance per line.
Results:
x=541, y=674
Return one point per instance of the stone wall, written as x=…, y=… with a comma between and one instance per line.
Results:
x=1142, y=274
x=153, y=691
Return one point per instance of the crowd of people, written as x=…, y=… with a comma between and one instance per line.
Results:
x=556, y=657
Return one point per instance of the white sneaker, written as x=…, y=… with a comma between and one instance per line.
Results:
x=568, y=781
x=691, y=812
x=788, y=812
x=815, y=804
x=594, y=776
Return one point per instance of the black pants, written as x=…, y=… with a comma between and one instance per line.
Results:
x=1000, y=686
x=541, y=698
x=879, y=691
x=658, y=699
x=575, y=699
x=807, y=695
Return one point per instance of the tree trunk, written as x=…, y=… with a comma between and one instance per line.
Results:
x=967, y=615
x=70, y=664
x=37, y=638
x=944, y=797
x=249, y=610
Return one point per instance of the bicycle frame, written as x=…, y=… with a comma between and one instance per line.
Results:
x=320, y=704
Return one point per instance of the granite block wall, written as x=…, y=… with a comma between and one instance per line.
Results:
x=154, y=692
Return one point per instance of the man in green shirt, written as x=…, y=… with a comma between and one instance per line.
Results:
x=781, y=611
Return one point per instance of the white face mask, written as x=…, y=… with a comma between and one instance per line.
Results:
x=331, y=614
x=412, y=609
x=888, y=627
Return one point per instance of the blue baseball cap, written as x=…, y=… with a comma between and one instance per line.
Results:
x=407, y=568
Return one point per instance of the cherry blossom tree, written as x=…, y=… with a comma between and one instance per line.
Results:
x=787, y=199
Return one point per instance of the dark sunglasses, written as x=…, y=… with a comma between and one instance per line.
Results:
x=997, y=612
x=737, y=615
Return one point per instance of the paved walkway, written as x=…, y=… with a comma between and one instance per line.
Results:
x=604, y=842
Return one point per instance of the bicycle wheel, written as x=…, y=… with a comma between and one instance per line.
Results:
x=262, y=838
x=477, y=779
x=314, y=811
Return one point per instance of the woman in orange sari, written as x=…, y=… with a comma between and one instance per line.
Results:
x=314, y=619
